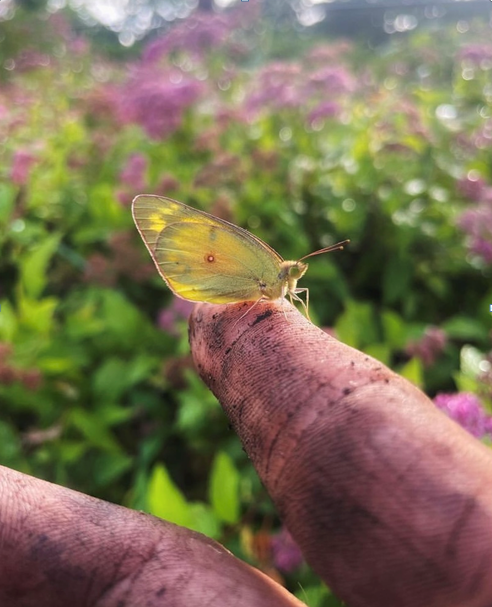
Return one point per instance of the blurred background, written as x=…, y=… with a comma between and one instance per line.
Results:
x=306, y=122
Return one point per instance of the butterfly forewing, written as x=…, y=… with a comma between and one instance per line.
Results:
x=153, y=213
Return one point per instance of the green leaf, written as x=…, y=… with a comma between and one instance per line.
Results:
x=314, y=596
x=10, y=445
x=110, y=380
x=115, y=376
x=8, y=322
x=122, y=319
x=356, y=326
x=109, y=467
x=33, y=266
x=224, y=489
x=464, y=327
x=7, y=200
x=381, y=352
x=413, y=371
x=165, y=499
x=394, y=328
x=89, y=424
x=465, y=383
x=38, y=315
x=205, y=520
x=396, y=279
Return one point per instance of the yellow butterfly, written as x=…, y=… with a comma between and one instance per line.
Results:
x=204, y=258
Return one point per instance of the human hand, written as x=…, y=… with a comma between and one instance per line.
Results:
x=388, y=499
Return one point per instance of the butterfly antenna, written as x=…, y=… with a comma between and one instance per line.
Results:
x=333, y=247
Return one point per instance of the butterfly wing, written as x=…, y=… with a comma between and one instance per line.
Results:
x=152, y=214
x=201, y=257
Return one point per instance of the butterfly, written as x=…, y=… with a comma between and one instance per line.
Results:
x=204, y=258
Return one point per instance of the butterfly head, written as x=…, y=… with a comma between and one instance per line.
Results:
x=290, y=273
x=296, y=270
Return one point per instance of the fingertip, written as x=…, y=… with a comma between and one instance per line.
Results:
x=215, y=329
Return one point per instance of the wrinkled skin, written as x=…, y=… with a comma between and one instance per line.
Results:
x=390, y=501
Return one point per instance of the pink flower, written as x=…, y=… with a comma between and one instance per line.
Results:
x=332, y=52
x=157, y=100
x=167, y=183
x=429, y=347
x=287, y=555
x=199, y=33
x=465, y=409
x=179, y=309
x=21, y=166
x=332, y=80
x=476, y=53
x=133, y=174
x=279, y=85
x=30, y=59
x=327, y=109
x=477, y=224
x=472, y=188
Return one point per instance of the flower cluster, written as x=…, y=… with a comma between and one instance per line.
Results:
x=476, y=54
x=286, y=554
x=429, y=347
x=198, y=34
x=156, y=99
x=282, y=85
x=133, y=173
x=178, y=310
x=467, y=410
x=22, y=163
x=133, y=178
x=476, y=221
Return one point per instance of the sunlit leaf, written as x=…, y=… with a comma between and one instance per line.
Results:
x=165, y=499
x=34, y=265
x=224, y=489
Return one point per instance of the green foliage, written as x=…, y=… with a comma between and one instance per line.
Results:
x=389, y=148
x=166, y=500
x=224, y=485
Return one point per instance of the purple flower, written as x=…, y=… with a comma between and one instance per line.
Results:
x=279, y=85
x=471, y=187
x=157, y=99
x=287, y=556
x=482, y=138
x=467, y=410
x=21, y=166
x=30, y=59
x=179, y=309
x=328, y=109
x=476, y=53
x=133, y=174
x=332, y=81
x=477, y=224
x=482, y=248
x=429, y=347
x=197, y=34
x=333, y=52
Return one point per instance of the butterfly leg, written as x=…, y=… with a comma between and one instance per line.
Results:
x=305, y=304
x=247, y=311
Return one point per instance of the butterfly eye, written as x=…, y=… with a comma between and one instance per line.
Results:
x=296, y=272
